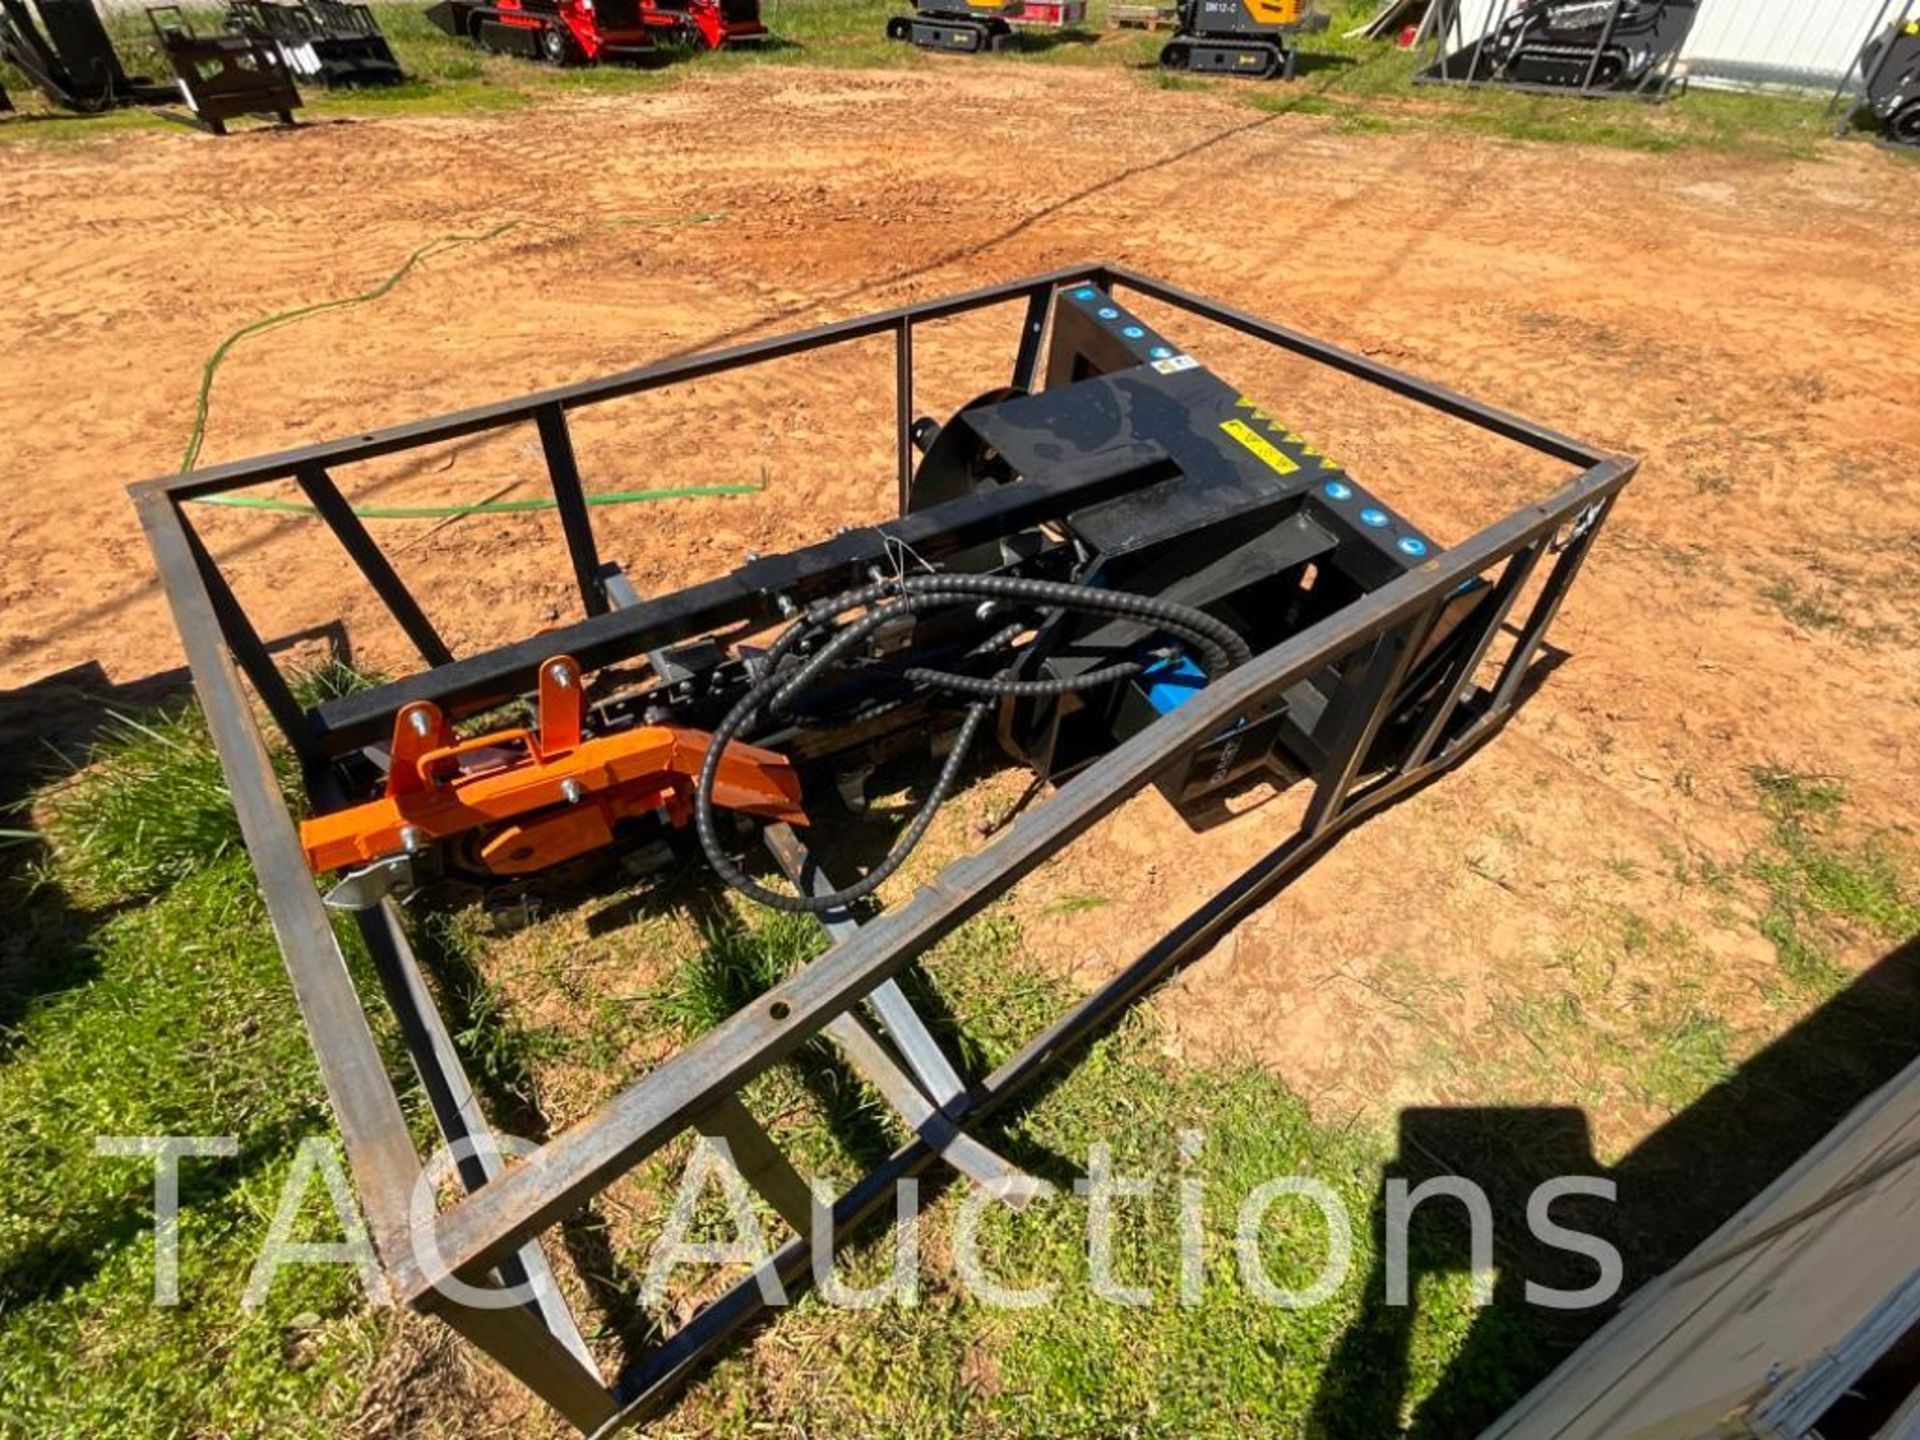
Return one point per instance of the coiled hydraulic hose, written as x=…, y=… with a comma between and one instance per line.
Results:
x=1220, y=649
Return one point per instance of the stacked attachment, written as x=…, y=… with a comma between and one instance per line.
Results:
x=1884, y=83
x=327, y=41
x=65, y=51
x=225, y=76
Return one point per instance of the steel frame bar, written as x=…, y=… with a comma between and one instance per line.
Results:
x=927, y=1092
x=372, y=561
x=556, y=442
x=456, y=1109
x=903, y=408
x=495, y=1224
x=1600, y=48
x=903, y=1025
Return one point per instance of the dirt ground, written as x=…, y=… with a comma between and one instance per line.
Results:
x=1744, y=326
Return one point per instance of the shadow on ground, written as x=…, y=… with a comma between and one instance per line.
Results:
x=1674, y=1190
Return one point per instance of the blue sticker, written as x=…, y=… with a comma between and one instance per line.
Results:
x=1107, y=312
x=1159, y=352
x=1087, y=293
x=1373, y=517
x=1412, y=545
x=1334, y=490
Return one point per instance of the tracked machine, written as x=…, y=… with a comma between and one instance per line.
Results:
x=1588, y=44
x=1116, y=566
x=1890, y=71
x=1591, y=47
x=962, y=27
x=585, y=32
x=1257, y=38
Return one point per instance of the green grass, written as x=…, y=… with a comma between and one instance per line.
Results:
x=142, y=994
x=1822, y=889
x=1366, y=86
x=1085, y=1366
x=155, y=814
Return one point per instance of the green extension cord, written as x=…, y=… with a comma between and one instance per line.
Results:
x=197, y=438
x=198, y=435
x=487, y=507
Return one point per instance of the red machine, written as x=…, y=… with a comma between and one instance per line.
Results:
x=706, y=24
x=575, y=32
x=1053, y=14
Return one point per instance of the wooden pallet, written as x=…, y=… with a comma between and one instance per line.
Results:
x=1142, y=17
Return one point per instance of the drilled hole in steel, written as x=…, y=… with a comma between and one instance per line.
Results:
x=780, y=1009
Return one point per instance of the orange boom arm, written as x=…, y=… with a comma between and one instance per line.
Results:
x=549, y=795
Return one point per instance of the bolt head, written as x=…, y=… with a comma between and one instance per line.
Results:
x=413, y=838
x=419, y=724
x=560, y=675
x=571, y=791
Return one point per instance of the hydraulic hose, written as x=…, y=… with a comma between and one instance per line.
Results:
x=1220, y=648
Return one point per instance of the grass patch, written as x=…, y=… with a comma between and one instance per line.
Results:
x=144, y=995
x=1822, y=607
x=170, y=1014
x=1365, y=86
x=1821, y=889
x=1083, y=1365
x=152, y=810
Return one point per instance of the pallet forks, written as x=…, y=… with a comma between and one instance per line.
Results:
x=70, y=59
x=1239, y=37
x=223, y=76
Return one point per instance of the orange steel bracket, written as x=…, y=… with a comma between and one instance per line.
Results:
x=547, y=795
x=563, y=710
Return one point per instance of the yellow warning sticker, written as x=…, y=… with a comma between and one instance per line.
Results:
x=1259, y=445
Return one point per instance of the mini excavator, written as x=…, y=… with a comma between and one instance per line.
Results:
x=1240, y=37
x=963, y=27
